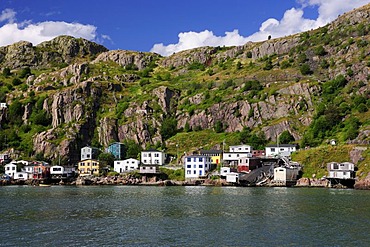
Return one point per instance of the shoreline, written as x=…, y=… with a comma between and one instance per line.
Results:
x=131, y=181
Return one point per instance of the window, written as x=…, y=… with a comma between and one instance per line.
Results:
x=200, y=166
x=195, y=172
x=194, y=166
x=200, y=173
x=200, y=159
x=188, y=166
x=272, y=149
x=188, y=159
x=188, y=172
x=126, y=167
x=156, y=155
x=13, y=168
x=88, y=155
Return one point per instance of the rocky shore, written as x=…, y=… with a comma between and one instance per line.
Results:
x=155, y=181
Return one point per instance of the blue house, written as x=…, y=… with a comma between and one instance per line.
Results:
x=117, y=149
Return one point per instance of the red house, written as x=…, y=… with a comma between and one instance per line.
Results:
x=247, y=164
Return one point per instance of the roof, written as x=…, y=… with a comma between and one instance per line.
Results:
x=281, y=145
x=212, y=151
x=152, y=150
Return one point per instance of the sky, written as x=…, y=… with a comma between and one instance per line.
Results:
x=165, y=26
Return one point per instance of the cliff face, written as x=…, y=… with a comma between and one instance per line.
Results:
x=93, y=95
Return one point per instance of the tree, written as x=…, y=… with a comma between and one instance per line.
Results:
x=285, y=137
x=305, y=69
x=25, y=72
x=6, y=72
x=132, y=149
x=106, y=159
x=169, y=127
x=219, y=127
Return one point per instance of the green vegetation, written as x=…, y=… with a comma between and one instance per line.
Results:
x=205, y=95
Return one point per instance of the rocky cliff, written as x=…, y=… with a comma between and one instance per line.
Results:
x=96, y=96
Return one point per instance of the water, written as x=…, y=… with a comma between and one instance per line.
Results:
x=183, y=216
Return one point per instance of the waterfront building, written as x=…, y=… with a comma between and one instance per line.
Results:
x=149, y=169
x=232, y=157
x=216, y=155
x=153, y=157
x=59, y=172
x=247, y=164
x=89, y=153
x=280, y=150
x=126, y=165
x=258, y=153
x=88, y=167
x=345, y=170
x=197, y=166
x=285, y=175
x=21, y=176
x=41, y=170
x=10, y=169
x=117, y=149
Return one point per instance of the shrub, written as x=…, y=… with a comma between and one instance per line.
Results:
x=16, y=81
x=249, y=54
x=320, y=51
x=305, y=69
x=362, y=108
x=6, y=72
x=169, y=127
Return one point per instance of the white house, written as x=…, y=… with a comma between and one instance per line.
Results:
x=284, y=150
x=345, y=170
x=89, y=153
x=240, y=149
x=10, y=169
x=197, y=166
x=235, y=153
x=285, y=174
x=21, y=176
x=57, y=172
x=127, y=165
x=231, y=177
x=149, y=169
x=153, y=157
x=2, y=105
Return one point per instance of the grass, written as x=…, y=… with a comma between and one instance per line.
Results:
x=314, y=160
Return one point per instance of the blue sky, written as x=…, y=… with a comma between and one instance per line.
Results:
x=164, y=26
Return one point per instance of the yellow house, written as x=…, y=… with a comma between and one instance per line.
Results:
x=88, y=167
x=216, y=155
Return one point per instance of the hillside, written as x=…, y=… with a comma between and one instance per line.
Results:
x=307, y=88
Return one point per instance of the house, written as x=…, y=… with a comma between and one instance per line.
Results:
x=345, y=170
x=240, y=149
x=216, y=155
x=89, y=153
x=284, y=150
x=286, y=175
x=3, y=105
x=11, y=169
x=149, y=169
x=117, y=149
x=41, y=170
x=4, y=157
x=232, y=157
x=229, y=175
x=153, y=157
x=59, y=172
x=197, y=166
x=247, y=164
x=126, y=165
x=258, y=153
x=88, y=167
x=21, y=176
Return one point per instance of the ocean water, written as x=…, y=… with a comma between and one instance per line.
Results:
x=183, y=216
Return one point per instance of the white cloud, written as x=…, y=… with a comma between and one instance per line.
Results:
x=292, y=22
x=42, y=31
x=7, y=15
